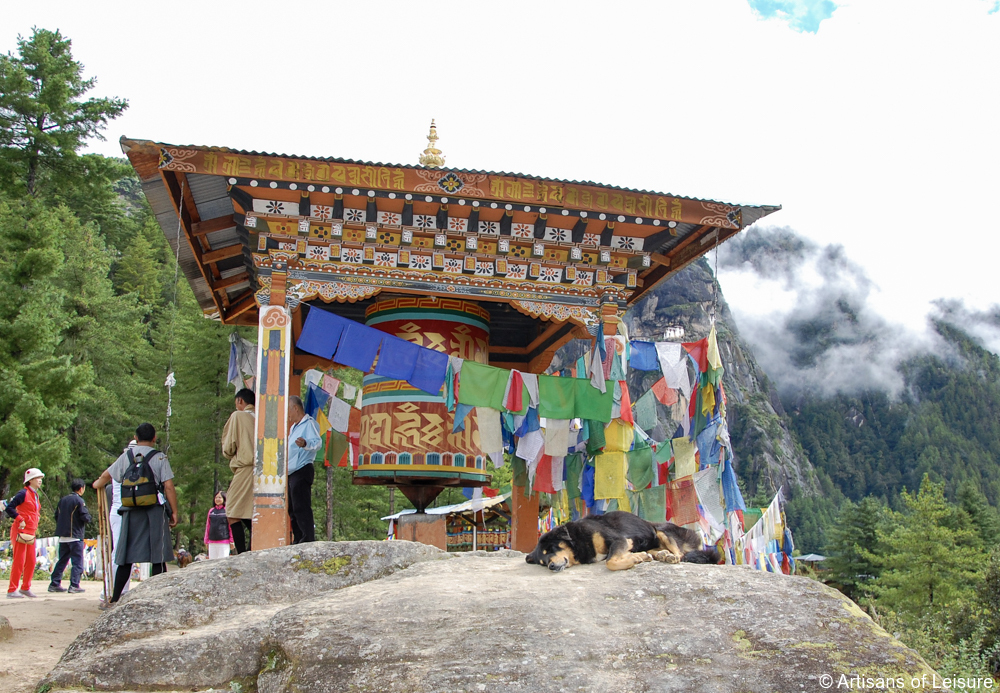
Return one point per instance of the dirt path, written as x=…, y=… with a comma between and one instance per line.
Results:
x=43, y=628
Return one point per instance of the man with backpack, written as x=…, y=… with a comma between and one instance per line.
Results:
x=144, y=474
x=71, y=519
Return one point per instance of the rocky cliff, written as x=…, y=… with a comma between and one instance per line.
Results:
x=397, y=616
x=768, y=455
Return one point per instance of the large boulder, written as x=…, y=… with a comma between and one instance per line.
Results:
x=398, y=616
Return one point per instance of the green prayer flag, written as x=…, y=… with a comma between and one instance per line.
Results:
x=557, y=396
x=653, y=504
x=482, y=386
x=591, y=403
x=640, y=467
x=519, y=471
x=663, y=452
x=645, y=411
x=336, y=447
x=574, y=470
x=596, y=441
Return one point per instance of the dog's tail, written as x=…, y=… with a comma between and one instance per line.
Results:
x=708, y=556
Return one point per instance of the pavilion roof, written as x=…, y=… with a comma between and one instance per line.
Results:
x=646, y=235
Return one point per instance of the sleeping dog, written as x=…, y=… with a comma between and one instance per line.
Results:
x=621, y=538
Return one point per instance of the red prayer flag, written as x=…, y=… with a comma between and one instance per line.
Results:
x=666, y=396
x=699, y=352
x=682, y=502
x=626, y=404
x=515, y=400
x=543, y=476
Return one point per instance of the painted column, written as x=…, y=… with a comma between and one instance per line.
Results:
x=270, y=517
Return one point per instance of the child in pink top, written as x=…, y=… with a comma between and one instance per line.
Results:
x=218, y=535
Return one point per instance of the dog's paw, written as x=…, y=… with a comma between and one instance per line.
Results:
x=665, y=556
x=642, y=557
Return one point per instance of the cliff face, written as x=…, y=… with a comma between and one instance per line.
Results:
x=768, y=456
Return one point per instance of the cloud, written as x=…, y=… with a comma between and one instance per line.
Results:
x=806, y=310
x=801, y=15
x=982, y=326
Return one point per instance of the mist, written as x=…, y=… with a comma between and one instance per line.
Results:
x=807, y=311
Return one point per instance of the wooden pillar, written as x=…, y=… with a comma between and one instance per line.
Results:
x=523, y=520
x=270, y=516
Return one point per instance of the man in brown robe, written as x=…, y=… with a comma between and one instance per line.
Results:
x=238, y=439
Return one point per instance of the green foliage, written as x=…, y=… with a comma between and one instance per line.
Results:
x=931, y=557
x=854, y=546
x=40, y=383
x=44, y=120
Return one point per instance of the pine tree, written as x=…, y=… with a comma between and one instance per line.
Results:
x=854, y=546
x=40, y=385
x=44, y=120
x=930, y=562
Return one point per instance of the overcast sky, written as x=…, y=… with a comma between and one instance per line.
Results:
x=874, y=124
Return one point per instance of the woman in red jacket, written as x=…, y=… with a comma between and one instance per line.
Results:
x=24, y=508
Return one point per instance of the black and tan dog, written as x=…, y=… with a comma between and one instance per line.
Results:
x=621, y=538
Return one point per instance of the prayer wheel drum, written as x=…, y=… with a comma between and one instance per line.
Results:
x=406, y=433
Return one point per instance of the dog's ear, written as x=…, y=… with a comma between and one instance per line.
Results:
x=564, y=535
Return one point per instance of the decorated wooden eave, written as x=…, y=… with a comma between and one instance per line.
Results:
x=345, y=231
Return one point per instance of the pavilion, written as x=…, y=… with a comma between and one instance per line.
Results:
x=499, y=268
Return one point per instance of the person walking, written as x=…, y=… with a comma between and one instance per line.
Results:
x=218, y=531
x=303, y=442
x=24, y=508
x=238, y=440
x=144, y=473
x=71, y=520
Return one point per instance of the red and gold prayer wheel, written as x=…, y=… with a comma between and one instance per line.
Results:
x=406, y=433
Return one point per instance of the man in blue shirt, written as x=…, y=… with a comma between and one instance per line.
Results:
x=303, y=442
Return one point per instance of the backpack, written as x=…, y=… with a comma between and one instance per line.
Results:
x=139, y=487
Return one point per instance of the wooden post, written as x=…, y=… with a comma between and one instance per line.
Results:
x=270, y=515
x=329, y=502
x=523, y=520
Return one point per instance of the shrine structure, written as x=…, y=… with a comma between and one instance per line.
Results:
x=498, y=268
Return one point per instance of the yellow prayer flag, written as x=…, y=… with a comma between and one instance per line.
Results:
x=684, y=461
x=609, y=475
x=323, y=423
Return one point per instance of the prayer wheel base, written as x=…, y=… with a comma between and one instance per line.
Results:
x=421, y=496
x=426, y=529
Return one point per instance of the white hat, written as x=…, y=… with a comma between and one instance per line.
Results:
x=32, y=473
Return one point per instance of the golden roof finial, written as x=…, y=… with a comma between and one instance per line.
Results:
x=432, y=156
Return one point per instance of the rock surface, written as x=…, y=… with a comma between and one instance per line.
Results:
x=398, y=616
